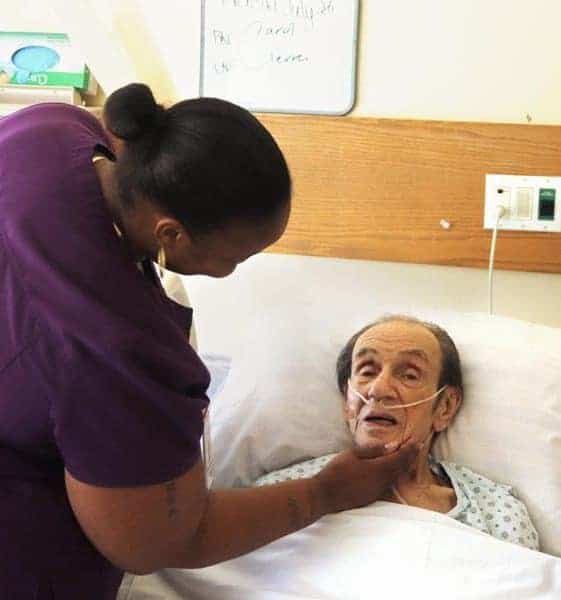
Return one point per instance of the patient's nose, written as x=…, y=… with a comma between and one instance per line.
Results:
x=381, y=386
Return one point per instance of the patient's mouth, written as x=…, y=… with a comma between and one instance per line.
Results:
x=381, y=421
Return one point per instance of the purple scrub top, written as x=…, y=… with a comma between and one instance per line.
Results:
x=96, y=373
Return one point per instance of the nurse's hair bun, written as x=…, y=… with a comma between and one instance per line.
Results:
x=131, y=112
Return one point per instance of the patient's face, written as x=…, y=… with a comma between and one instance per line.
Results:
x=393, y=363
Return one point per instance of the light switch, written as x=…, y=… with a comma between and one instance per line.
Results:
x=523, y=205
x=546, y=210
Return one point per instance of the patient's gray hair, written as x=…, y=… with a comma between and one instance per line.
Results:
x=450, y=371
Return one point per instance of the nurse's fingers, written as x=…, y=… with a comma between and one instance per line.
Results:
x=350, y=480
x=378, y=448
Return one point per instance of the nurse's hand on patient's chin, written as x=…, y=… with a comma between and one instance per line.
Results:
x=358, y=477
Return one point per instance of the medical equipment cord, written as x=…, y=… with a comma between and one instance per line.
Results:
x=500, y=213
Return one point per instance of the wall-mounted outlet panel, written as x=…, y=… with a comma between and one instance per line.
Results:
x=531, y=203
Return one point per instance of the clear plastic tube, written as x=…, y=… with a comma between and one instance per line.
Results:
x=370, y=401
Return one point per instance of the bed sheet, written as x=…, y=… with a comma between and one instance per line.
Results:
x=384, y=550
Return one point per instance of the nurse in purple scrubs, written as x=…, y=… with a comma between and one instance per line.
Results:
x=101, y=396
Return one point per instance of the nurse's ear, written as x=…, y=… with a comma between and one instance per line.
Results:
x=446, y=408
x=173, y=245
x=172, y=236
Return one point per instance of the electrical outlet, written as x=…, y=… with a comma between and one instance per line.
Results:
x=531, y=203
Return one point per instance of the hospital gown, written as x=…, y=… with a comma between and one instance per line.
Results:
x=481, y=503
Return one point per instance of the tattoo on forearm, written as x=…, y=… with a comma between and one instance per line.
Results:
x=171, y=500
x=294, y=513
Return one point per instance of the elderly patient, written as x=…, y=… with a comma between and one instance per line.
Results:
x=399, y=378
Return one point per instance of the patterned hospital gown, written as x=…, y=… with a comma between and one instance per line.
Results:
x=488, y=506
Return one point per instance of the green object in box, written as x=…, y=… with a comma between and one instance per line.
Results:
x=546, y=207
x=44, y=59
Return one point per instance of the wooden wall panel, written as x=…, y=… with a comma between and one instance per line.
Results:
x=378, y=188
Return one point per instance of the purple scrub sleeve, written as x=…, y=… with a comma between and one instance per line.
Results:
x=96, y=373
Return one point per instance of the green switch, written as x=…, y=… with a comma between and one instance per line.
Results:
x=546, y=207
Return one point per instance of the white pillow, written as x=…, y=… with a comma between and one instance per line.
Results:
x=280, y=404
x=509, y=427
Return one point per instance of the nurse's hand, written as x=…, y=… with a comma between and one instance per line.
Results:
x=359, y=477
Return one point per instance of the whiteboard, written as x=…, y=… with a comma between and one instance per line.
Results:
x=296, y=56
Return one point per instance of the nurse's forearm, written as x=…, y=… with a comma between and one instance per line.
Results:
x=179, y=523
x=237, y=521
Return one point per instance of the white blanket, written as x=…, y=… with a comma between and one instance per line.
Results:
x=384, y=551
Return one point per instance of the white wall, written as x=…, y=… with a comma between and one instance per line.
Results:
x=475, y=60
x=480, y=60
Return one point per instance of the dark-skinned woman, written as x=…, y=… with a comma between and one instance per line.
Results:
x=102, y=399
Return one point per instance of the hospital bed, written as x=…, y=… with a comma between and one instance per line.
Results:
x=279, y=322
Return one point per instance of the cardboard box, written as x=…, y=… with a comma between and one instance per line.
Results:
x=42, y=59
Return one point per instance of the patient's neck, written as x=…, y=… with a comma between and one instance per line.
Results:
x=421, y=487
x=420, y=473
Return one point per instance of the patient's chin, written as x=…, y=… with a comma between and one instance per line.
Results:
x=373, y=437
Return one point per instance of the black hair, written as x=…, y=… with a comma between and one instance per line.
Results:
x=451, y=368
x=205, y=162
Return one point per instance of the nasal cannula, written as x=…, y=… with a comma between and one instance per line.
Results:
x=370, y=401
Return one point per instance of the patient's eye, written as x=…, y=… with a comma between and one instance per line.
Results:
x=366, y=370
x=411, y=375
x=409, y=372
